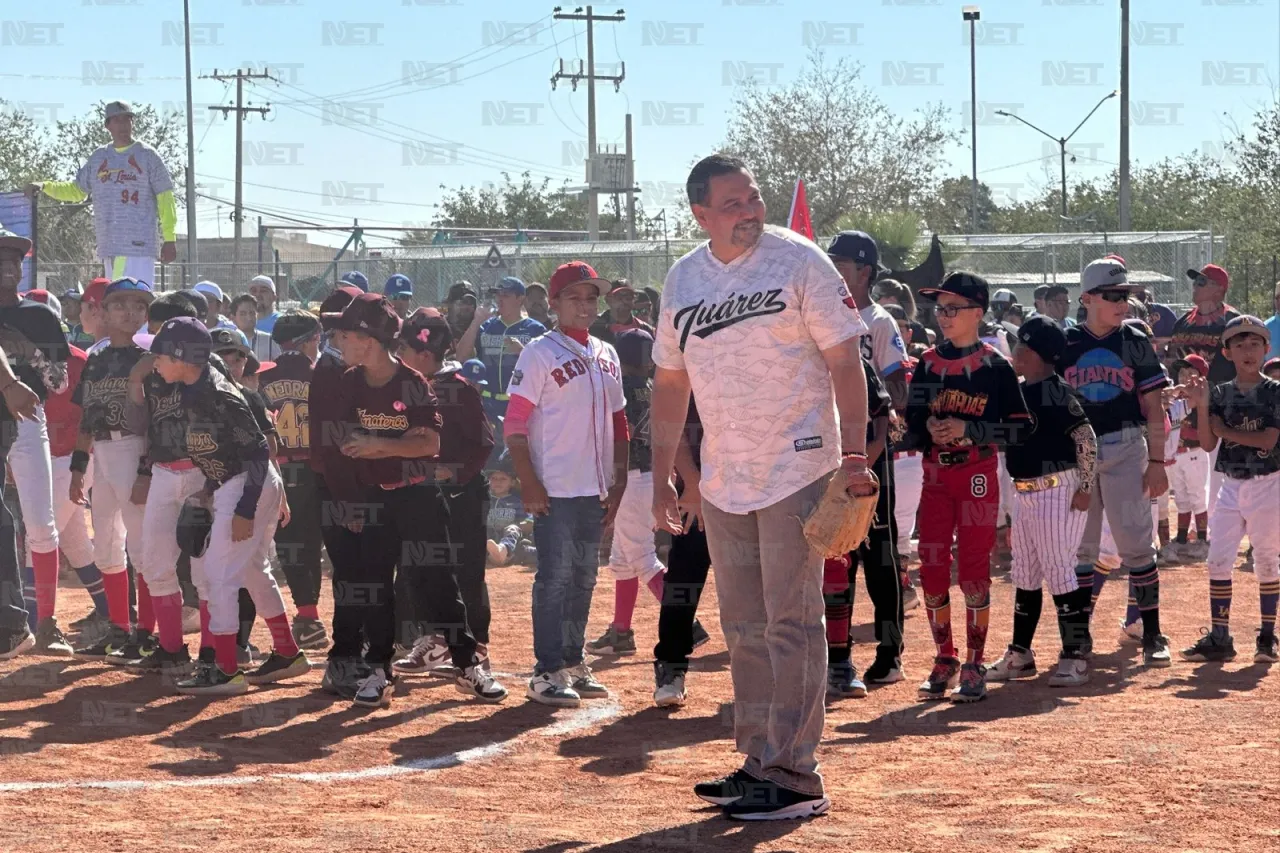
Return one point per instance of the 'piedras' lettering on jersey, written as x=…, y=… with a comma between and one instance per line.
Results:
x=379, y=421
x=955, y=402
x=105, y=390
x=287, y=389
x=574, y=367
x=703, y=320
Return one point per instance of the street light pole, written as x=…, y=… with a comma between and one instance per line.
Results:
x=1062, y=140
x=972, y=14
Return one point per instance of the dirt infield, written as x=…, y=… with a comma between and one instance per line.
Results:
x=1188, y=758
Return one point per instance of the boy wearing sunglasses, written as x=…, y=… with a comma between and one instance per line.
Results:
x=1114, y=368
x=963, y=403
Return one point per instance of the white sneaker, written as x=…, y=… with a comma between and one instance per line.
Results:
x=1013, y=665
x=1131, y=633
x=1072, y=672
x=190, y=620
x=584, y=683
x=495, y=551
x=428, y=654
x=552, y=688
x=671, y=693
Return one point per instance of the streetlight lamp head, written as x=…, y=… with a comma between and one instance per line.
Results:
x=971, y=13
x=1001, y=113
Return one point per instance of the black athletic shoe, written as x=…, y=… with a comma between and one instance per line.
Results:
x=140, y=647
x=885, y=670
x=725, y=790
x=12, y=645
x=769, y=801
x=1211, y=647
x=50, y=641
x=90, y=627
x=1266, y=650
x=342, y=676
x=699, y=634
x=168, y=664
x=211, y=681
x=277, y=667
x=843, y=681
x=309, y=633
x=115, y=638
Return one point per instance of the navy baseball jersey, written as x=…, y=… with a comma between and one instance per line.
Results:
x=975, y=384
x=36, y=346
x=1111, y=373
x=223, y=438
x=1056, y=413
x=1251, y=411
x=466, y=436
x=638, y=392
x=103, y=391
x=165, y=421
x=1201, y=334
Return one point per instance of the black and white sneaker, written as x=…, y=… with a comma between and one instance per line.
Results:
x=1267, y=650
x=12, y=645
x=1211, y=647
x=699, y=635
x=342, y=675
x=585, y=684
x=246, y=655
x=49, y=640
x=168, y=664
x=115, y=639
x=843, y=681
x=277, y=667
x=309, y=633
x=476, y=681
x=140, y=646
x=668, y=685
x=884, y=670
x=375, y=689
x=725, y=790
x=211, y=681
x=767, y=800
x=552, y=688
x=1155, y=651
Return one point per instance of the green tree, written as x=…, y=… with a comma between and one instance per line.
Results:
x=896, y=233
x=949, y=209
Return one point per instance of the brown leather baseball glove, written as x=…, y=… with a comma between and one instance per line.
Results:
x=840, y=522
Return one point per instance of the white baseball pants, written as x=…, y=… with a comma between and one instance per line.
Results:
x=117, y=522
x=908, y=484
x=32, y=469
x=1046, y=537
x=1189, y=481
x=169, y=491
x=1246, y=507
x=73, y=526
x=121, y=266
x=229, y=565
x=1008, y=506
x=634, y=554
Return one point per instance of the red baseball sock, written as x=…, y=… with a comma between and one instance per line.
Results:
x=146, y=613
x=46, y=570
x=281, y=636
x=168, y=610
x=309, y=611
x=224, y=646
x=655, y=585
x=624, y=602
x=206, y=636
x=116, y=586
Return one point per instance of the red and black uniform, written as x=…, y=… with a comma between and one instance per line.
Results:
x=287, y=391
x=977, y=385
x=404, y=514
x=62, y=416
x=1199, y=333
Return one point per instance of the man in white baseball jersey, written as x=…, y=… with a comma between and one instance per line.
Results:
x=755, y=324
x=132, y=196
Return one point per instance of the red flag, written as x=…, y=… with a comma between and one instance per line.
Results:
x=799, y=220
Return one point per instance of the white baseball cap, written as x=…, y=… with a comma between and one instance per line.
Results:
x=1003, y=295
x=1103, y=273
x=208, y=288
x=264, y=280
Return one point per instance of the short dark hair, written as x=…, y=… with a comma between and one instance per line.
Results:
x=896, y=312
x=535, y=285
x=1041, y=292
x=1052, y=290
x=698, y=187
x=194, y=298
x=170, y=305
x=240, y=300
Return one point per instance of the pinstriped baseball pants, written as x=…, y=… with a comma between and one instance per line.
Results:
x=1046, y=536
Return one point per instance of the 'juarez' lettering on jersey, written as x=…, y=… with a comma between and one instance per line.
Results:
x=702, y=319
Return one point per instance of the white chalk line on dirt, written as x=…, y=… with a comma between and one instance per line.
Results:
x=580, y=719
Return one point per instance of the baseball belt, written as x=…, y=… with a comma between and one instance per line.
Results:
x=1039, y=484
x=960, y=457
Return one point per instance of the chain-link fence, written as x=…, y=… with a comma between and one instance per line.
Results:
x=1255, y=282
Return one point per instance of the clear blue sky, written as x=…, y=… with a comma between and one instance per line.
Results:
x=681, y=62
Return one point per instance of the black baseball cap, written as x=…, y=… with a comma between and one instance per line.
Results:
x=969, y=285
x=295, y=327
x=370, y=314
x=335, y=302
x=1043, y=336
x=427, y=330
x=462, y=290
x=183, y=338
x=856, y=246
x=234, y=340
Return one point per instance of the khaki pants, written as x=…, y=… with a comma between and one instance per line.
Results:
x=769, y=582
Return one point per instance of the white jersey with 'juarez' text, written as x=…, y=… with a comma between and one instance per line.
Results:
x=750, y=335
x=575, y=390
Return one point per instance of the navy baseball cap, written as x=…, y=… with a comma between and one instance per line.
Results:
x=509, y=286
x=1043, y=336
x=128, y=285
x=184, y=338
x=294, y=327
x=1245, y=324
x=356, y=279
x=634, y=347
x=856, y=246
x=474, y=371
x=398, y=286
x=969, y=285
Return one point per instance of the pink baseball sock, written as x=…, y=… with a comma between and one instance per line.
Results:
x=168, y=612
x=281, y=636
x=656, y=584
x=146, y=613
x=309, y=611
x=45, y=565
x=624, y=602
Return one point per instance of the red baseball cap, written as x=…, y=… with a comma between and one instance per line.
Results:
x=94, y=293
x=1198, y=363
x=334, y=304
x=575, y=272
x=38, y=295
x=1213, y=272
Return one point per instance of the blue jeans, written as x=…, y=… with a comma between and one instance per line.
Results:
x=568, y=541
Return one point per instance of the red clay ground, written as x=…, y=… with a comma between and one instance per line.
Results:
x=1181, y=759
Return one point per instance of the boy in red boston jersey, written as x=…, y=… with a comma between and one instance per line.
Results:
x=963, y=402
x=381, y=472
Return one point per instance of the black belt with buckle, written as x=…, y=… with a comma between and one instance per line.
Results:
x=960, y=457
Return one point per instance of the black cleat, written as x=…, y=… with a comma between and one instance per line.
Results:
x=168, y=664
x=140, y=647
x=115, y=639
x=277, y=667
x=1211, y=647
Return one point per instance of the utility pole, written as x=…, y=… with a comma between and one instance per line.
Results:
x=192, y=241
x=237, y=215
x=973, y=14
x=593, y=213
x=631, y=182
x=1123, y=212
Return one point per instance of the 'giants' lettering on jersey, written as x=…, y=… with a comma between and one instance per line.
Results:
x=703, y=320
x=573, y=368
x=379, y=421
x=955, y=402
x=1100, y=376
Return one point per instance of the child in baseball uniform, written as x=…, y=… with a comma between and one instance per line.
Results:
x=1053, y=474
x=102, y=395
x=566, y=430
x=1189, y=474
x=963, y=403
x=1244, y=415
x=510, y=526
x=243, y=492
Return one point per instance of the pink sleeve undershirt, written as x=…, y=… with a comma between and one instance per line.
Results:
x=519, y=409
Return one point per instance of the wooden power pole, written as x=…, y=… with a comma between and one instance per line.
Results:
x=237, y=215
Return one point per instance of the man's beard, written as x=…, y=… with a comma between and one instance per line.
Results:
x=746, y=233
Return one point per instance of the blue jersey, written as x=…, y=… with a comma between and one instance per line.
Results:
x=498, y=363
x=504, y=512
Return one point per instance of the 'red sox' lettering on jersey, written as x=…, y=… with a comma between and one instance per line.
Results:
x=573, y=368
